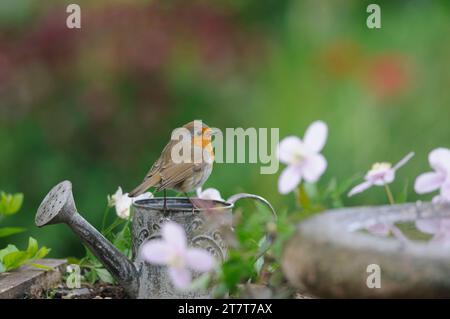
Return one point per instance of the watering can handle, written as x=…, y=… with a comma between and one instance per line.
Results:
x=233, y=199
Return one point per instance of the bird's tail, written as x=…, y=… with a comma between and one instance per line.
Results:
x=146, y=184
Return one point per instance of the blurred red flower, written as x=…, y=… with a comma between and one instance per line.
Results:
x=388, y=75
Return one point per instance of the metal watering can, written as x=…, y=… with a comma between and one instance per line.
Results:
x=138, y=278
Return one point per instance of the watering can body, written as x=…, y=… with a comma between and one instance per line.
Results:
x=200, y=232
x=204, y=227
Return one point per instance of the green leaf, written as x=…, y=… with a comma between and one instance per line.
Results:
x=10, y=204
x=12, y=258
x=8, y=231
x=122, y=240
x=32, y=247
x=200, y=283
x=15, y=260
x=235, y=269
x=7, y=250
x=91, y=276
x=44, y=251
x=259, y=264
x=73, y=261
x=104, y=275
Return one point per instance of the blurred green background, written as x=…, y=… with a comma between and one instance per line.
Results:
x=97, y=105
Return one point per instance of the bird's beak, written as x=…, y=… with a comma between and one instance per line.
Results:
x=208, y=132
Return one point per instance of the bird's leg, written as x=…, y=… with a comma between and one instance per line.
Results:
x=165, y=202
x=192, y=202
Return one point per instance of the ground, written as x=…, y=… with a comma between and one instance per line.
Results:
x=86, y=291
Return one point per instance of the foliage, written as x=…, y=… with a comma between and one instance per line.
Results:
x=10, y=204
x=11, y=257
x=256, y=257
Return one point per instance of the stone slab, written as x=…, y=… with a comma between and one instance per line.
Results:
x=28, y=279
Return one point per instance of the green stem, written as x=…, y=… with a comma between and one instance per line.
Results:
x=125, y=225
x=105, y=215
x=303, y=200
x=116, y=223
x=298, y=200
x=41, y=266
x=389, y=194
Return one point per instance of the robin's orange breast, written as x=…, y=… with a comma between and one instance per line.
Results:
x=204, y=143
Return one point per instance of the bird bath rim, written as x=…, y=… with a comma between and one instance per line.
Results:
x=342, y=226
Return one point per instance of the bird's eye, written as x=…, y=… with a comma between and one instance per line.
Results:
x=199, y=133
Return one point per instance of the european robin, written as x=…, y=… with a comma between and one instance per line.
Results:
x=188, y=174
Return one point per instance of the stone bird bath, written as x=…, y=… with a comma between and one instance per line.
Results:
x=140, y=279
x=329, y=255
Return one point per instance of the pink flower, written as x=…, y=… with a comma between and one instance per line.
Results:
x=172, y=251
x=439, y=160
x=385, y=229
x=380, y=175
x=209, y=194
x=439, y=227
x=303, y=158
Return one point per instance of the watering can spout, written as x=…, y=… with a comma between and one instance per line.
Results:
x=59, y=207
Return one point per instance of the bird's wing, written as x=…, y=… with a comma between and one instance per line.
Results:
x=173, y=174
x=152, y=178
x=161, y=162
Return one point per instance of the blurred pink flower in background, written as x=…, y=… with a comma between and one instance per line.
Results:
x=439, y=227
x=172, y=251
x=381, y=174
x=439, y=179
x=302, y=157
x=209, y=194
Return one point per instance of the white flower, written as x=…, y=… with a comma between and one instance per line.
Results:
x=123, y=202
x=172, y=251
x=439, y=179
x=209, y=194
x=381, y=174
x=302, y=157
